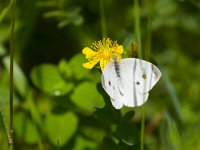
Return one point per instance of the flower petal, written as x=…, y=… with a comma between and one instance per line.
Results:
x=119, y=49
x=89, y=53
x=91, y=63
x=103, y=63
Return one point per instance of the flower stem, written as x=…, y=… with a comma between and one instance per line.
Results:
x=146, y=56
x=136, y=14
x=103, y=19
x=12, y=39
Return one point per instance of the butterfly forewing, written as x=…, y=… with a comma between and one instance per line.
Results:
x=134, y=98
x=145, y=77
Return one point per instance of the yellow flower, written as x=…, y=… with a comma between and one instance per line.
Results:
x=102, y=51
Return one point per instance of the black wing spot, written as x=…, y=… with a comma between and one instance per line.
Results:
x=144, y=76
x=138, y=83
x=121, y=93
x=109, y=83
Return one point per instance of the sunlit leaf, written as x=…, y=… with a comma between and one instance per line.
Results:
x=65, y=69
x=76, y=64
x=83, y=143
x=74, y=69
x=87, y=97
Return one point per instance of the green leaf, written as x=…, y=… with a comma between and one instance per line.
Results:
x=174, y=97
x=20, y=80
x=5, y=11
x=83, y=143
x=56, y=13
x=4, y=97
x=108, y=144
x=46, y=4
x=193, y=135
x=61, y=127
x=74, y=69
x=127, y=131
x=78, y=20
x=25, y=129
x=4, y=123
x=173, y=133
x=65, y=69
x=76, y=64
x=93, y=133
x=2, y=50
x=128, y=116
x=5, y=34
x=87, y=97
x=30, y=105
x=63, y=23
x=47, y=78
x=107, y=116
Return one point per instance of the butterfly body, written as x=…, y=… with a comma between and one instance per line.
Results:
x=128, y=81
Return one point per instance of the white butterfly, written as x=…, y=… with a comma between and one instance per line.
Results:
x=128, y=81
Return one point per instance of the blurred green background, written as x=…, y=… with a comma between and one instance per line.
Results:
x=60, y=105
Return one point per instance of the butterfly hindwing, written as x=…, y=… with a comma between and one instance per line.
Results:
x=111, y=85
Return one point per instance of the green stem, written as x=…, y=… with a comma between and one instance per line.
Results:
x=12, y=39
x=103, y=19
x=142, y=129
x=136, y=13
x=149, y=28
x=147, y=53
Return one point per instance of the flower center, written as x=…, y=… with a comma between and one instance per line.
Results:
x=105, y=48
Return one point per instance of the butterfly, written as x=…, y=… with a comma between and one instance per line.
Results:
x=128, y=81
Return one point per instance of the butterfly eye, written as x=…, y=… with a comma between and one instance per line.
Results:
x=109, y=83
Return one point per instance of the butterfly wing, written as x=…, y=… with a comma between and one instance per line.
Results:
x=133, y=97
x=147, y=75
x=136, y=77
x=111, y=86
